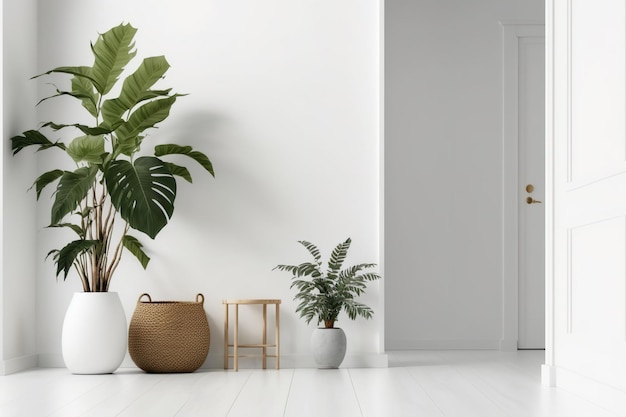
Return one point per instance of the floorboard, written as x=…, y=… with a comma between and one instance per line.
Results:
x=391, y=392
x=322, y=392
x=265, y=394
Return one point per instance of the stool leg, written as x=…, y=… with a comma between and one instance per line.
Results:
x=225, y=336
x=236, y=347
x=264, y=336
x=277, y=337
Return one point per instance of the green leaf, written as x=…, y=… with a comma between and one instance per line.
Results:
x=83, y=89
x=354, y=309
x=142, y=192
x=337, y=257
x=136, y=89
x=46, y=178
x=128, y=146
x=139, y=82
x=180, y=171
x=308, y=269
x=71, y=190
x=112, y=51
x=370, y=276
x=112, y=111
x=287, y=268
x=87, y=149
x=81, y=72
x=66, y=257
x=143, y=118
x=65, y=93
x=350, y=272
x=135, y=247
x=33, y=137
x=199, y=157
x=93, y=131
x=150, y=94
x=313, y=250
x=76, y=228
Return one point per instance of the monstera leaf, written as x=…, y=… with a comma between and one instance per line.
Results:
x=143, y=193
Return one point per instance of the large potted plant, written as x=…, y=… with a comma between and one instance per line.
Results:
x=323, y=293
x=113, y=188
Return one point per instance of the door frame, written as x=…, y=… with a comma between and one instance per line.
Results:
x=511, y=34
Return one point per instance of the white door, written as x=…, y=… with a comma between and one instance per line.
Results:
x=586, y=152
x=531, y=193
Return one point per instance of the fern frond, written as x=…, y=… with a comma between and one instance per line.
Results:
x=370, y=276
x=308, y=268
x=354, y=269
x=337, y=257
x=287, y=268
x=313, y=250
x=354, y=309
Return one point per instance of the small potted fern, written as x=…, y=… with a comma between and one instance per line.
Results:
x=323, y=294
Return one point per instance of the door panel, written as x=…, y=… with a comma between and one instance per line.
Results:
x=597, y=86
x=596, y=281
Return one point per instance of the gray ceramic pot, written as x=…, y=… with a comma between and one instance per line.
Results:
x=328, y=347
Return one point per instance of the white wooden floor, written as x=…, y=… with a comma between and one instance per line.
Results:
x=417, y=384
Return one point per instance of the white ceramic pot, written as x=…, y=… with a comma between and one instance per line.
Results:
x=328, y=347
x=94, y=336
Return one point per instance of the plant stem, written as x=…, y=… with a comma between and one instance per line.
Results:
x=117, y=256
x=94, y=232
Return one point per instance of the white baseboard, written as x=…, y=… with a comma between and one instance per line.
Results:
x=461, y=344
x=216, y=361
x=11, y=366
x=548, y=375
x=360, y=360
x=50, y=360
x=602, y=395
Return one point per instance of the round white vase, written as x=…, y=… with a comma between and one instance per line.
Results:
x=94, y=335
x=328, y=347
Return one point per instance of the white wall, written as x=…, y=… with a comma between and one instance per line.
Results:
x=443, y=170
x=284, y=98
x=18, y=280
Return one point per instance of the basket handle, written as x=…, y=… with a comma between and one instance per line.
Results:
x=200, y=298
x=145, y=294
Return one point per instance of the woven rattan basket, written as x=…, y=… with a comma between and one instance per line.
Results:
x=169, y=336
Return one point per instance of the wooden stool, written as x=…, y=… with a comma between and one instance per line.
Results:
x=236, y=345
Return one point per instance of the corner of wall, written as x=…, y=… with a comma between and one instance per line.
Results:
x=14, y=365
x=17, y=306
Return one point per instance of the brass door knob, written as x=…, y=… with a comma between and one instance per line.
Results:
x=530, y=200
x=530, y=188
